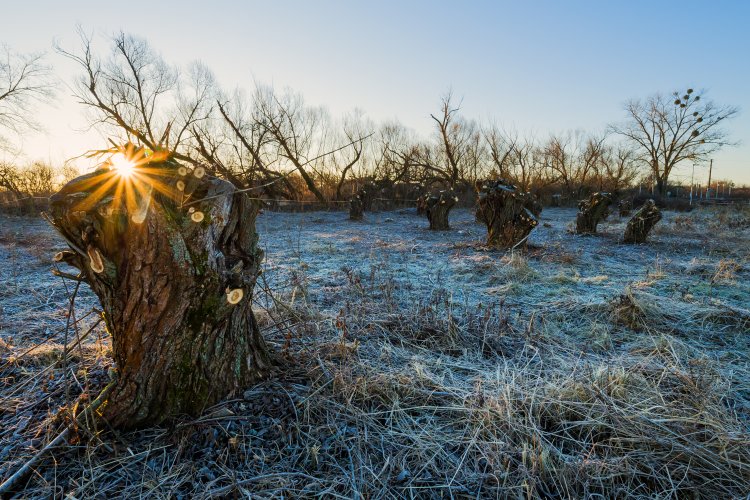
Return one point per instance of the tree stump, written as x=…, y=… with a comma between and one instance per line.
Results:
x=175, y=277
x=625, y=206
x=437, y=207
x=356, y=208
x=478, y=214
x=591, y=212
x=422, y=204
x=644, y=219
x=510, y=214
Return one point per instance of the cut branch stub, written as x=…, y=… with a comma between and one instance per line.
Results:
x=176, y=289
x=591, y=212
x=642, y=222
x=625, y=206
x=510, y=214
x=437, y=207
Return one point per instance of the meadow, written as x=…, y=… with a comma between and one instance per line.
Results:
x=416, y=363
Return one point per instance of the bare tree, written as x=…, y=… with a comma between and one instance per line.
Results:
x=241, y=148
x=573, y=159
x=394, y=154
x=353, y=131
x=456, y=150
x=139, y=98
x=501, y=146
x=25, y=80
x=617, y=168
x=454, y=136
x=669, y=130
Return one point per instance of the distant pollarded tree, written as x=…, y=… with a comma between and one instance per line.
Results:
x=25, y=80
x=667, y=130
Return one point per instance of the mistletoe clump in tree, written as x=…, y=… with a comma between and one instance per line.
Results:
x=668, y=130
x=591, y=212
x=173, y=256
x=509, y=213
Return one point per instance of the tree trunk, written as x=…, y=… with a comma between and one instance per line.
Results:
x=422, y=204
x=642, y=222
x=437, y=207
x=661, y=186
x=175, y=283
x=509, y=214
x=356, y=207
x=624, y=207
x=591, y=212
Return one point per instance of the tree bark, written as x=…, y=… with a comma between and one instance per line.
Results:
x=510, y=214
x=591, y=212
x=175, y=285
x=642, y=222
x=356, y=207
x=422, y=204
x=624, y=207
x=437, y=207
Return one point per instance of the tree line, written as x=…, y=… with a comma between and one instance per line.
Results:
x=272, y=140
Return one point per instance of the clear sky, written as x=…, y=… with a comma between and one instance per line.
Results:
x=537, y=66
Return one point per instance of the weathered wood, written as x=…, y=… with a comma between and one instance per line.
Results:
x=510, y=214
x=438, y=205
x=644, y=219
x=624, y=207
x=591, y=212
x=175, y=282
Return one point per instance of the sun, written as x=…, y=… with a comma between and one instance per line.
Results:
x=121, y=165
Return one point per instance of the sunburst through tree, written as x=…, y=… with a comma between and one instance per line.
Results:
x=172, y=255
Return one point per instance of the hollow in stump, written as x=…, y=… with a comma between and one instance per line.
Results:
x=509, y=213
x=644, y=219
x=591, y=212
x=172, y=254
x=437, y=207
x=624, y=207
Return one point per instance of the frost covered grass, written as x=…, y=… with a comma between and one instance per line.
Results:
x=420, y=364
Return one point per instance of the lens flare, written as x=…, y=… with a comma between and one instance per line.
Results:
x=122, y=165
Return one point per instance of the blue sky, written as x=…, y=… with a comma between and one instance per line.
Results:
x=539, y=67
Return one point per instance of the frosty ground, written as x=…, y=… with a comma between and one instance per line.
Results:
x=420, y=363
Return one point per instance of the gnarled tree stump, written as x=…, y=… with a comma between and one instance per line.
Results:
x=644, y=219
x=509, y=214
x=175, y=283
x=438, y=206
x=356, y=207
x=591, y=212
x=624, y=207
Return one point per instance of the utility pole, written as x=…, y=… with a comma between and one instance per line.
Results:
x=710, y=169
